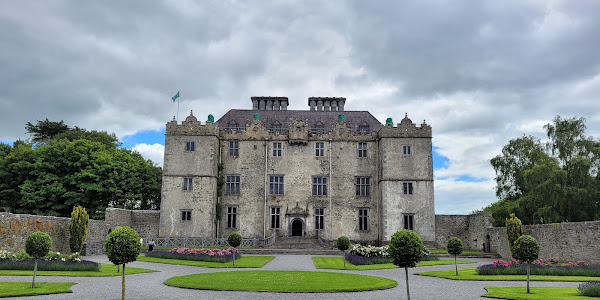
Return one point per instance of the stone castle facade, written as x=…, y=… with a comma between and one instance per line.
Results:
x=322, y=172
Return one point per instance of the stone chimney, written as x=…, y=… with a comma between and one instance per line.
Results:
x=269, y=103
x=326, y=103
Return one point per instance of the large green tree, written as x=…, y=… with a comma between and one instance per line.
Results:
x=52, y=178
x=549, y=182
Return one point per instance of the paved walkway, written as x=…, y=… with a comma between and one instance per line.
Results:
x=151, y=286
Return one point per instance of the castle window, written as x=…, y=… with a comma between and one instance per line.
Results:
x=188, y=184
x=232, y=185
x=319, y=218
x=186, y=215
x=319, y=128
x=275, y=217
x=319, y=149
x=276, y=127
x=277, y=148
x=409, y=220
x=406, y=150
x=231, y=217
x=362, y=149
x=319, y=186
x=364, y=127
x=407, y=188
x=276, y=185
x=233, y=126
x=363, y=186
x=363, y=219
x=234, y=148
x=190, y=146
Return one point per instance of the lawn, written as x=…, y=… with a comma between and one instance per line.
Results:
x=246, y=261
x=471, y=274
x=537, y=293
x=337, y=263
x=17, y=289
x=282, y=281
x=105, y=270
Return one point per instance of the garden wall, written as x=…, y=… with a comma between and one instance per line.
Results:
x=14, y=229
x=145, y=222
x=566, y=241
x=469, y=228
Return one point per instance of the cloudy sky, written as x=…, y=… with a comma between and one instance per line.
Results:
x=480, y=72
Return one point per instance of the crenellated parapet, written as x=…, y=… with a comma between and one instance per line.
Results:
x=191, y=126
x=406, y=129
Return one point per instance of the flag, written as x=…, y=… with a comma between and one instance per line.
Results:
x=176, y=96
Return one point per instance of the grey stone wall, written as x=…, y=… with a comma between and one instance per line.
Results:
x=566, y=241
x=144, y=222
x=471, y=229
x=14, y=229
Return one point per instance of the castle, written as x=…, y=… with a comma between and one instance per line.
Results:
x=322, y=172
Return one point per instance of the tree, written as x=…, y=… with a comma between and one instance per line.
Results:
x=78, y=228
x=37, y=246
x=514, y=229
x=343, y=243
x=526, y=249
x=406, y=248
x=45, y=130
x=122, y=246
x=234, y=240
x=103, y=137
x=558, y=181
x=455, y=247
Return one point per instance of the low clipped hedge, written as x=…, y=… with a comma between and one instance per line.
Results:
x=194, y=257
x=589, y=289
x=44, y=265
x=521, y=269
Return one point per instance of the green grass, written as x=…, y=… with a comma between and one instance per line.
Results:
x=464, y=251
x=245, y=262
x=105, y=270
x=282, y=281
x=471, y=274
x=17, y=289
x=337, y=263
x=537, y=293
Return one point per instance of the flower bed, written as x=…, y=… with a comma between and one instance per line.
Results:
x=589, y=289
x=54, y=261
x=211, y=255
x=548, y=266
x=370, y=255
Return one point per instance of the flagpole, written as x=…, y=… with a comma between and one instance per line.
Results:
x=177, y=108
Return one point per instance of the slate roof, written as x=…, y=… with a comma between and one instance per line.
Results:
x=353, y=119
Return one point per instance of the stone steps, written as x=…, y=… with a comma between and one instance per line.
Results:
x=296, y=243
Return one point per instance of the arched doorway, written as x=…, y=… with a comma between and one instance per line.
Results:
x=297, y=227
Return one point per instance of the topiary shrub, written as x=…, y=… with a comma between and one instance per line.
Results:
x=122, y=246
x=343, y=243
x=406, y=248
x=455, y=247
x=37, y=246
x=526, y=249
x=234, y=240
x=79, y=228
x=514, y=229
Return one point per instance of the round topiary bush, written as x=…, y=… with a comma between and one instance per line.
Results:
x=234, y=240
x=122, y=246
x=37, y=246
x=343, y=243
x=455, y=247
x=526, y=249
x=406, y=248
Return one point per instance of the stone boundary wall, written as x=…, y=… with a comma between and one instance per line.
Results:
x=145, y=222
x=565, y=241
x=14, y=229
x=469, y=228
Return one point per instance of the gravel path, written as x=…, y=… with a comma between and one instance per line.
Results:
x=151, y=286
